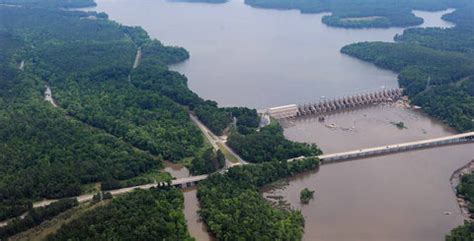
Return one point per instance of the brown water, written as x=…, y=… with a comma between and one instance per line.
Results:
x=176, y=170
x=395, y=197
x=260, y=58
x=197, y=228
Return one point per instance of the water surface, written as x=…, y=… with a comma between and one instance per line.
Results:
x=243, y=56
x=399, y=197
x=261, y=58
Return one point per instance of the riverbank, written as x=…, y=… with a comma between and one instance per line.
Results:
x=455, y=181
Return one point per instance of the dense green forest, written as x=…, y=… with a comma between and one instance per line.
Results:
x=155, y=214
x=465, y=190
x=207, y=162
x=52, y=152
x=51, y=3
x=268, y=144
x=233, y=208
x=362, y=13
x=36, y=216
x=114, y=123
x=44, y=153
x=436, y=67
x=88, y=72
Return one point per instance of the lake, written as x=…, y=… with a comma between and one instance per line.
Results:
x=242, y=56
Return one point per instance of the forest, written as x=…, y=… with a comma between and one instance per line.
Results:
x=435, y=66
x=207, y=162
x=51, y=3
x=44, y=153
x=362, y=13
x=465, y=190
x=53, y=152
x=155, y=214
x=268, y=144
x=114, y=124
x=36, y=216
x=233, y=208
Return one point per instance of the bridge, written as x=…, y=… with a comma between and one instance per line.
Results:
x=348, y=155
x=401, y=147
x=180, y=183
x=325, y=159
x=341, y=103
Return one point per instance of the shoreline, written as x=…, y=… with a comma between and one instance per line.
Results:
x=455, y=180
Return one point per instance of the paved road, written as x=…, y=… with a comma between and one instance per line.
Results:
x=88, y=197
x=215, y=140
x=387, y=149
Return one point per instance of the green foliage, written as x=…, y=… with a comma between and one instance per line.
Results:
x=154, y=53
x=463, y=16
x=213, y=117
x=374, y=22
x=466, y=190
x=462, y=233
x=247, y=119
x=47, y=152
x=89, y=76
x=154, y=214
x=306, y=195
x=441, y=67
x=436, y=66
x=452, y=39
x=452, y=104
x=36, y=216
x=381, y=13
x=233, y=208
x=269, y=144
x=151, y=176
x=51, y=3
x=47, y=155
x=207, y=162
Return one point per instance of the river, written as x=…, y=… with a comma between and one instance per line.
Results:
x=242, y=56
x=395, y=197
x=196, y=226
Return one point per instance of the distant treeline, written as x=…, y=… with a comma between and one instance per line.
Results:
x=363, y=13
x=436, y=67
x=51, y=3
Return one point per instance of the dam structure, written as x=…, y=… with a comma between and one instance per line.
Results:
x=335, y=104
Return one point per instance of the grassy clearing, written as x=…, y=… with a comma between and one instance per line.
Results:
x=229, y=156
x=371, y=18
x=49, y=227
x=149, y=177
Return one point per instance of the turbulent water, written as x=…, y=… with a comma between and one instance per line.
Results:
x=262, y=58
